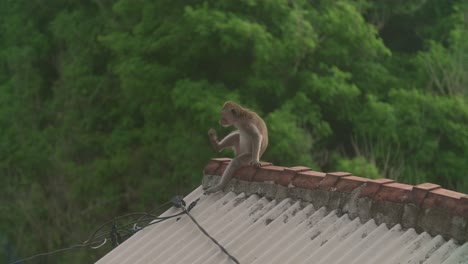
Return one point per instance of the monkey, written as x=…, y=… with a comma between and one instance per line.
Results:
x=248, y=142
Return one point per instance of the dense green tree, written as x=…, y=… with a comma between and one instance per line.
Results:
x=105, y=104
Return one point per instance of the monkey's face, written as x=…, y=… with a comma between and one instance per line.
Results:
x=228, y=117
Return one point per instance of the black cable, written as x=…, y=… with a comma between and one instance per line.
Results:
x=95, y=241
x=51, y=252
x=161, y=219
x=155, y=209
x=132, y=231
x=113, y=220
x=181, y=204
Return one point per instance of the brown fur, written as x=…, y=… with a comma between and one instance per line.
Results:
x=241, y=112
x=253, y=132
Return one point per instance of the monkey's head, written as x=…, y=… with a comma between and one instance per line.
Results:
x=230, y=114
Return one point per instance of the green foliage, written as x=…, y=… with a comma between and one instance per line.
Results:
x=105, y=105
x=359, y=166
x=432, y=129
x=294, y=131
x=444, y=68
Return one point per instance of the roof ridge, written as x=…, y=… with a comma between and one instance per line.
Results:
x=425, y=207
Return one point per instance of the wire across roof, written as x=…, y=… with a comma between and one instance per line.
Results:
x=255, y=229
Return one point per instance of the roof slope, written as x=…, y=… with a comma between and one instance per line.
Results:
x=258, y=230
x=425, y=207
x=276, y=214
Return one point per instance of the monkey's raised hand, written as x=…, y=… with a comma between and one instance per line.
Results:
x=212, y=133
x=213, y=136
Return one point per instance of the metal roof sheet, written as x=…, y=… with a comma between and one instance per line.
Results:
x=258, y=230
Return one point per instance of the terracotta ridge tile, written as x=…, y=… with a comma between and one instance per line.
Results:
x=373, y=186
x=447, y=200
x=221, y=159
x=212, y=166
x=268, y=174
x=394, y=192
x=420, y=192
x=288, y=174
x=349, y=183
x=331, y=178
x=297, y=168
x=307, y=179
x=245, y=173
x=424, y=195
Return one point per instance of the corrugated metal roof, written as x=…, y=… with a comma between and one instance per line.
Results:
x=257, y=230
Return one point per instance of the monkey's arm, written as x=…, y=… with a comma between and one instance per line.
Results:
x=231, y=140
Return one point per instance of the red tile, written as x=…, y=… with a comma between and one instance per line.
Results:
x=270, y=173
x=286, y=177
x=297, y=168
x=221, y=168
x=447, y=200
x=211, y=167
x=265, y=163
x=419, y=192
x=288, y=174
x=308, y=179
x=448, y=193
x=348, y=184
x=427, y=195
x=427, y=186
x=221, y=159
x=331, y=179
x=383, y=181
x=245, y=173
x=373, y=186
x=394, y=192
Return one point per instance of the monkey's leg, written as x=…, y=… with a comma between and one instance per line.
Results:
x=256, y=146
x=231, y=140
x=235, y=163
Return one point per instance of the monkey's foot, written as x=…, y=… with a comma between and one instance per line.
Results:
x=256, y=164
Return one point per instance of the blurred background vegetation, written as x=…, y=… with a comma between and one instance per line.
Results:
x=105, y=104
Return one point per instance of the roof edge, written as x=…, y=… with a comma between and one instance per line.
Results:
x=424, y=207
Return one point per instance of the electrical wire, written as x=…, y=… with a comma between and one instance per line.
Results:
x=180, y=203
x=155, y=209
x=55, y=252
x=113, y=220
x=96, y=240
x=212, y=239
